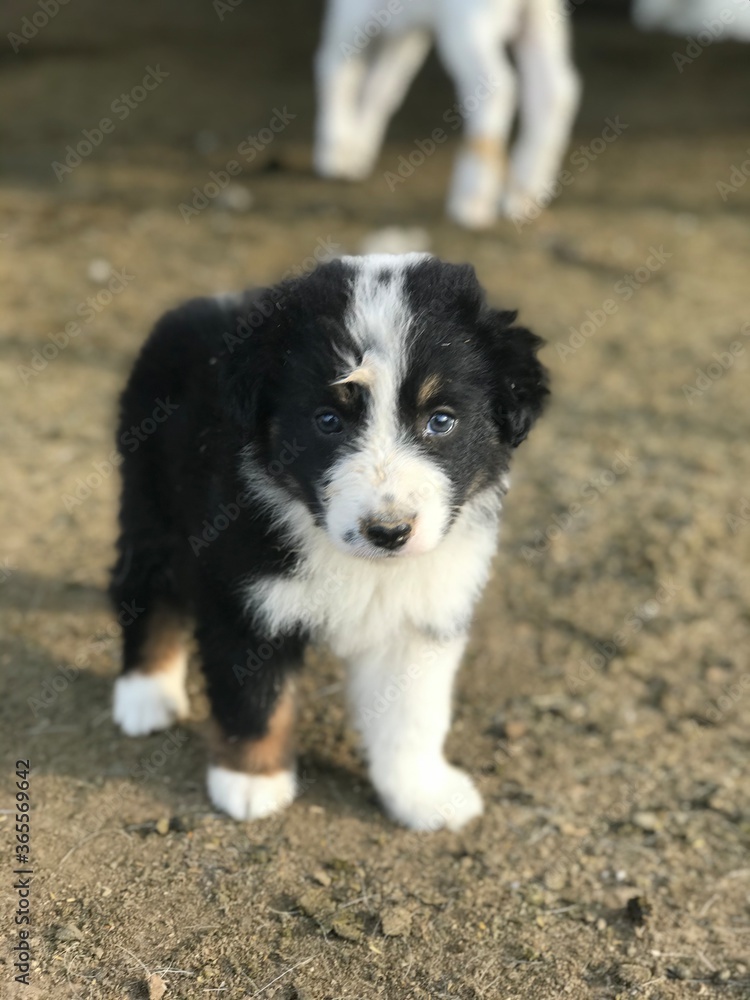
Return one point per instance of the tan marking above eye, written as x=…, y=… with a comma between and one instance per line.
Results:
x=364, y=374
x=428, y=389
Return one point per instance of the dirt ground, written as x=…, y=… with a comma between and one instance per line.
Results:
x=604, y=704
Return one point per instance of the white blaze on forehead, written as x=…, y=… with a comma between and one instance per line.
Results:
x=378, y=320
x=378, y=315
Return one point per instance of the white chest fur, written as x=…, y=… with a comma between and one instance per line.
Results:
x=355, y=604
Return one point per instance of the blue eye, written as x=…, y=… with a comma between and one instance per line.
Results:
x=329, y=422
x=440, y=423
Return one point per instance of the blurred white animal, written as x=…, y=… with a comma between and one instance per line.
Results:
x=723, y=19
x=369, y=55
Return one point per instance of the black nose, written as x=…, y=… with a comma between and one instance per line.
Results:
x=387, y=536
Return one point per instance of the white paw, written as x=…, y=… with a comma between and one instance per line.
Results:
x=431, y=798
x=145, y=703
x=344, y=159
x=248, y=796
x=474, y=197
x=472, y=211
x=524, y=206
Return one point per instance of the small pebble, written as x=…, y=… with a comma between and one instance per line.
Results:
x=99, y=270
x=556, y=879
x=647, y=821
x=162, y=826
x=156, y=987
x=70, y=933
x=347, y=926
x=396, y=922
x=515, y=729
x=632, y=973
x=235, y=198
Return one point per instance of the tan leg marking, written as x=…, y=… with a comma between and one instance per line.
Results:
x=486, y=147
x=165, y=647
x=272, y=752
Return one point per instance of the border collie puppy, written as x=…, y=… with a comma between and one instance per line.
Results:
x=332, y=468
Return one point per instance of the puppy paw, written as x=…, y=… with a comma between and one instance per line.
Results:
x=248, y=796
x=146, y=703
x=430, y=799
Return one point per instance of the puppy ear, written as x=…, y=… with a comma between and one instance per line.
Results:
x=520, y=381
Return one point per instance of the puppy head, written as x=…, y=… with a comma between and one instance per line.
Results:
x=384, y=394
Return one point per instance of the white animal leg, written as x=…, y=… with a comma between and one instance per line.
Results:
x=338, y=150
x=549, y=93
x=393, y=68
x=401, y=697
x=472, y=54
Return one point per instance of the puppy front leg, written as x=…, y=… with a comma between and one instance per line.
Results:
x=251, y=690
x=401, y=697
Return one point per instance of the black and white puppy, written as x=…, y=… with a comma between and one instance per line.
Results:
x=332, y=468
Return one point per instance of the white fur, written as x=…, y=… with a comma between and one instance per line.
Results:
x=247, y=796
x=399, y=622
x=401, y=697
x=722, y=18
x=401, y=625
x=355, y=604
x=360, y=85
x=146, y=703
